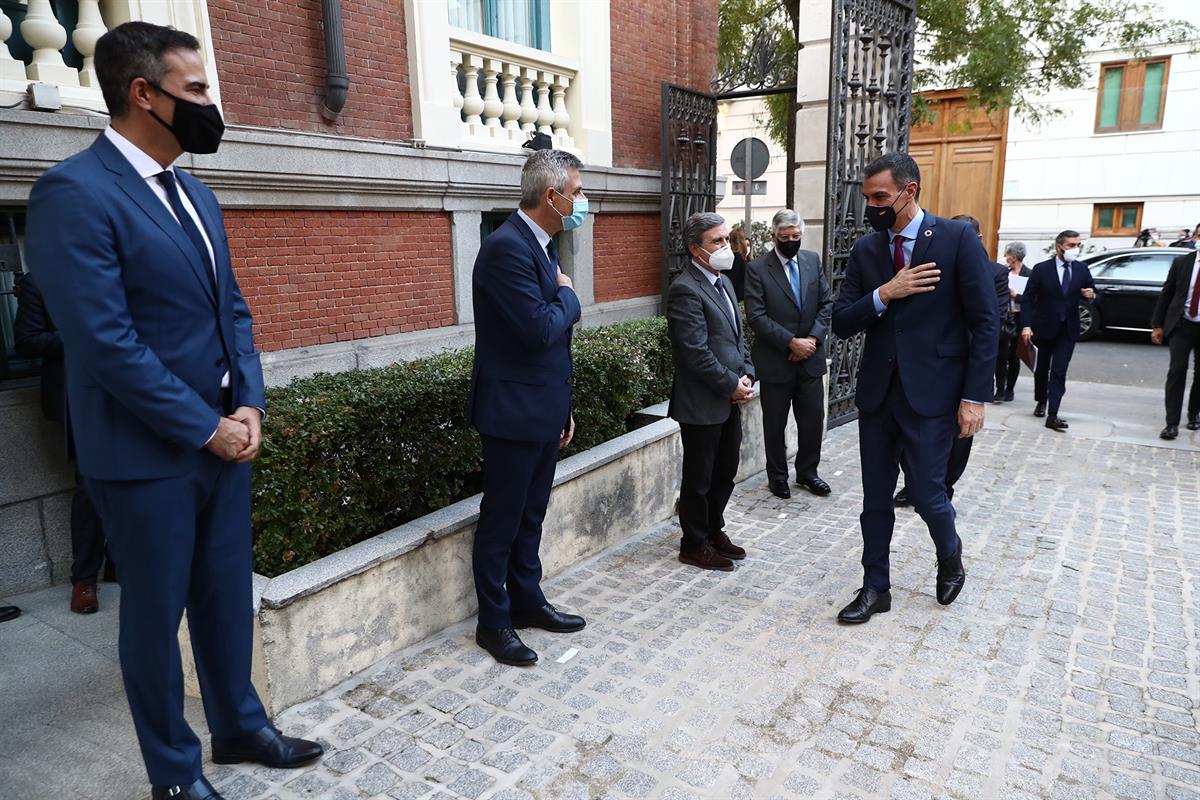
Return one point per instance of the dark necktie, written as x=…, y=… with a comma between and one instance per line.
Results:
x=1066, y=280
x=1194, y=306
x=167, y=179
x=552, y=254
x=729, y=306
x=898, y=254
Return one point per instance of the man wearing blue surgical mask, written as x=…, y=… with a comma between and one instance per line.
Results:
x=520, y=401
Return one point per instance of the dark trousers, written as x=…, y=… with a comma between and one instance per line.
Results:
x=956, y=465
x=804, y=397
x=517, y=477
x=1008, y=365
x=711, y=454
x=1050, y=378
x=87, y=536
x=183, y=543
x=1184, y=344
x=925, y=442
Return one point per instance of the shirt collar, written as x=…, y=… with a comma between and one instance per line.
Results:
x=141, y=161
x=542, y=237
x=782, y=258
x=1059, y=263
x=911, y=229
x=712, y=278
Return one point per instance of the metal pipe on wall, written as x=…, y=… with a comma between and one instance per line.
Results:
x=337, y=80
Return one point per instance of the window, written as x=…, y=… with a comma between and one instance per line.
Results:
x=1116, y=219
x=525, y=22
x=758, y=187
x=12, y=232
x=1148, y=268
x=1132, y=95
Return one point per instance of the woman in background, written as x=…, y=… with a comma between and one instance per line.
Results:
x=740, y=244
x=1008, y=365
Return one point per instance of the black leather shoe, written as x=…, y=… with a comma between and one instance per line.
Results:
x=1040, y=409
x=814, y=484
x=780, y=489
x=901, y=499
x=9, y=612
x=548, y=618
x=950, y=576
x=505, y=646
x=1057, y=424
x=998, y=397
x=1193, y=423
x=1170, y=432
x=268, y=747
x=200, y=790
x=1009, y=397
x=866, y=603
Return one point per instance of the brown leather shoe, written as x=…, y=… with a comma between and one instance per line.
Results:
x=83, y=598
x=706, y=558
x=720, y=542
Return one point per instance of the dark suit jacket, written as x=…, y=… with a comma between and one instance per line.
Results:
x=708, y=348
x=147, y=341
x=737, y=276
x=1169, y=308
x=772, y=312
x=521, y=379
x=942, y=343
x=36, y=337
x=1044, y=303
x=1000, y=277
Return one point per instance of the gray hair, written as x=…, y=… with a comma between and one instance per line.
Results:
x=545, y=169
x=787, y=218
x=1016, y=250
x=699, y=224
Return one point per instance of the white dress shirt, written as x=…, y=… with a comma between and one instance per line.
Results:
x=1061, y=266
x=542, y=237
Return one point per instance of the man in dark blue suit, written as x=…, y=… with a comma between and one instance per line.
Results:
x=520, y=402
x=166, y=396
x=1050, y=317
x=921, y=289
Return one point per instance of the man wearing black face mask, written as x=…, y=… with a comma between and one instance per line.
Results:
x=166, y=399
x=789, y=306
x=921, y=290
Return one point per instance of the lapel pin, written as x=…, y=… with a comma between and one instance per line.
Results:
x=928, y=232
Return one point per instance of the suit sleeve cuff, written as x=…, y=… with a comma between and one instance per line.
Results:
x=880, y=306
x=974, y=402
x=214, y=435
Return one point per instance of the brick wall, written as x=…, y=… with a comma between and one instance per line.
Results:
x=271, y=64
x=653, y=41
x=316, y=277
x=628, y=256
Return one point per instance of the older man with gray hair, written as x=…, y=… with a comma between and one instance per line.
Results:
x=1008, y=363
x=789, y=306
x=520, y=400
x=713, y=379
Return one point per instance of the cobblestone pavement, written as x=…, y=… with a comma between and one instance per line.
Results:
x=1068, y=668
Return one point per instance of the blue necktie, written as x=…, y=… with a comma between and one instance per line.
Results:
x=794, y=277
x=167, y=179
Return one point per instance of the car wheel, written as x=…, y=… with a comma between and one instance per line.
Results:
x=1089, y=321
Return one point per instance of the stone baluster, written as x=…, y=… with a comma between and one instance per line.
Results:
x=88, y=30
x=512, y=109
x=10, y=68
x=472, y=102
x=561, y=118
x=492, y=107
x=42, y=32
x=455, y=63
x=529, y=112
x=545, y=118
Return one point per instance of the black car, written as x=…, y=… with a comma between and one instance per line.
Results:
x=1128, y=282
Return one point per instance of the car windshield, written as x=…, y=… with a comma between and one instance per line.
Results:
x=1147, y=267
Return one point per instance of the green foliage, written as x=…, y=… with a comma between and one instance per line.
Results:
x=350, y=455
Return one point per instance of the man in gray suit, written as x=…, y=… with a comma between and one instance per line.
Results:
x=789, y=306
x=713, y=378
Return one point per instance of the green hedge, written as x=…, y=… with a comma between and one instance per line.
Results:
x=349, y=455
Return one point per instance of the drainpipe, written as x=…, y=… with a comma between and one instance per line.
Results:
x=337, y=81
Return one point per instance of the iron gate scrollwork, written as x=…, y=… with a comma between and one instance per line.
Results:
x=870, y=103
x=689, y=169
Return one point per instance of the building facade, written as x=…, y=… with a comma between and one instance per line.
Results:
x=353, y=239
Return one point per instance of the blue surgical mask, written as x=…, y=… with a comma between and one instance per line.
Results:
x=579, y=212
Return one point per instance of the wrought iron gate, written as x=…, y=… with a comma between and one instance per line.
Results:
x=689, y=169
x=870, y=100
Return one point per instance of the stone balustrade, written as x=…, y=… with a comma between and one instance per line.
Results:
x=504, y=92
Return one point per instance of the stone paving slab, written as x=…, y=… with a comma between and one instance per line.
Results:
x=1068, y=668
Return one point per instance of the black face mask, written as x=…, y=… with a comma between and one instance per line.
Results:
x=883, y=217
x=789, y=249
x=198, y=128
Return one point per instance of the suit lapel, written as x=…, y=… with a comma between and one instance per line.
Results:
x=211, y=228
x=883, y=258
x=714, y=296
x=779, y=272
x=539, y=253
x=924, y=238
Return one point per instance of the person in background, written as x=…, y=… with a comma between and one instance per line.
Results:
x=1008, y=364
x=1185, y=239
x=714, y=378
x=1176, y=323
x=789, y=305
x=739, y=242
x=1050, y=318
x=36, y=337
